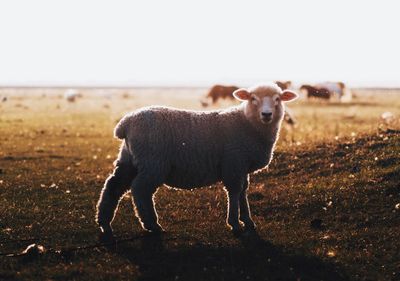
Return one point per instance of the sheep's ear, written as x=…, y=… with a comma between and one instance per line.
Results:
x=241, y=94
x=288, y=95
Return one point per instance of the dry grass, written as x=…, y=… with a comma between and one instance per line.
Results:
x=325, y=210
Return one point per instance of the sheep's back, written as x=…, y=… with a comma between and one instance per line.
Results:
x=183, y=146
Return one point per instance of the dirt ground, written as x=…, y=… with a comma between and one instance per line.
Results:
x=328, y=208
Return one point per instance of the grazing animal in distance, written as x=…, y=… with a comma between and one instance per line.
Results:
x=316, y=92
x=289, y=117
x=335, y=88
x=218, y=92
x=284, y=85
x=190, y=149
x=71, y=95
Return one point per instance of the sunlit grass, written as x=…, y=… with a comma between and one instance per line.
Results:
x=326, y=208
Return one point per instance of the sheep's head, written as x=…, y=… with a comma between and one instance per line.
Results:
x=265, y=102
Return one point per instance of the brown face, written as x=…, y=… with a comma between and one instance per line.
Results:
x=267, y=106
x=265, y=103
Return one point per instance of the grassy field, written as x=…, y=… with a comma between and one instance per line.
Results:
x=327, y=209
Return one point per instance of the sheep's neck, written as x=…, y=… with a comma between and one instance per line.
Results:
x=269, y=132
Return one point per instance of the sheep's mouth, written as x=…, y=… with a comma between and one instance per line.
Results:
x=266, y=120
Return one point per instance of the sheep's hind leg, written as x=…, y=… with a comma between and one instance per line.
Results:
x=143, y=191
x=116, y=185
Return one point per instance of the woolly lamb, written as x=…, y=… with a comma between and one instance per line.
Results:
x=190, y=149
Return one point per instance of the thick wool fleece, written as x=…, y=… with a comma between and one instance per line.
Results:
x=188, y=149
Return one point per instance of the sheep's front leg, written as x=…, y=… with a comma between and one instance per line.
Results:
x=234, y=180
x=233, y=209
x=245, y=215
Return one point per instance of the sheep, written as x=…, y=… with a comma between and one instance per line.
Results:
x=347, y=96
x=190, y=149
x=71, y=94
x=289, y=117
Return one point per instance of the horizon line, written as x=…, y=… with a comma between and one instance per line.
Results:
x=149, y=86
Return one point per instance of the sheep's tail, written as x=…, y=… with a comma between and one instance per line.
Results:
x=121, y=127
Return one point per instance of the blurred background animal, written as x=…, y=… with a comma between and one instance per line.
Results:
x=335, y=88
x=316, y=92
x=218, y=92
x=71, y=95
x=284, y=85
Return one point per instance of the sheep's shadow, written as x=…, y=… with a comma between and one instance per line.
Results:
x=253, y=259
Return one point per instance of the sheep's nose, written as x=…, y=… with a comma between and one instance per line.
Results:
x=266, y=114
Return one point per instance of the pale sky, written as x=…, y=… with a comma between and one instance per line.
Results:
x=136, y=43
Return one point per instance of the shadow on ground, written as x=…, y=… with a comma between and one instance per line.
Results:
x=252, y=259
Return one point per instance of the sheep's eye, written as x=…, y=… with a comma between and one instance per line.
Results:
x=254, y=100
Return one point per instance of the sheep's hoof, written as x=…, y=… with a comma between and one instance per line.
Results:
x=249, y=232
x=106, y=236
x=236, y=231
x=155, y=229
x=250, y=228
